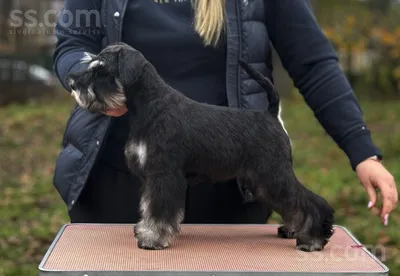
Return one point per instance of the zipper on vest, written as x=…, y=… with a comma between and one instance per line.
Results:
x=239, y=52
x=123, y=6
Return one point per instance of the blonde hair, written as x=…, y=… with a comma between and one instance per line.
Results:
x=209, y=21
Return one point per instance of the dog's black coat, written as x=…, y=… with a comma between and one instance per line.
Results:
x=171, y=135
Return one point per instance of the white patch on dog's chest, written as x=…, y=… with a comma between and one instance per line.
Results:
x=139, y=150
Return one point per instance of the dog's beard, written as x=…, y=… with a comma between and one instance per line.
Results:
x=100, y=94
x=84, y=100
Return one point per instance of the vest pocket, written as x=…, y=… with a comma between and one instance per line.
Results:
x=66, y=170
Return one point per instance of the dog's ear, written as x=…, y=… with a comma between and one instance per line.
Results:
x=130, y=63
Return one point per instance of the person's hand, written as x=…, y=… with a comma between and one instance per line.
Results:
x=116, y=112
x=373, y=176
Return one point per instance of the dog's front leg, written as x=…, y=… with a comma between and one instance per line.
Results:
x=162, y=208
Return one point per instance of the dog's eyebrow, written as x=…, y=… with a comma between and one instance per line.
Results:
x=87, y=57
x=95, y=63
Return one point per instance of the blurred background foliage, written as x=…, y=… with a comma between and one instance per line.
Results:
x=366, y=35
x=34, y=109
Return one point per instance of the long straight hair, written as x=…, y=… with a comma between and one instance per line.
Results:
x=209, y=21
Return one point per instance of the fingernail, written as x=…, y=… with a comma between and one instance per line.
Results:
x=370, y=204
x=386, y=219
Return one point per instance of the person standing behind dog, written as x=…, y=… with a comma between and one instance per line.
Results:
x=195, y=46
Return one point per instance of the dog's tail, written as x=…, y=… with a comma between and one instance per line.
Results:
x=272, y=93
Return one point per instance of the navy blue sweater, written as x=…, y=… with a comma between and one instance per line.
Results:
x=304, y=50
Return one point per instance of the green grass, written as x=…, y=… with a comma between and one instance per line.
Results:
x=31, y=212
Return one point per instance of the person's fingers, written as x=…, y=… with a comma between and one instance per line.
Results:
x=113, y=112
x=371, y=193
x=386, y=209
x=389, y=198
x=373, y=176
x=116, y=112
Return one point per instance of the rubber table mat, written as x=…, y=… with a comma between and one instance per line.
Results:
x=98, y=249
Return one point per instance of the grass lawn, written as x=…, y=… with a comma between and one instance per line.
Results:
x=31, y=212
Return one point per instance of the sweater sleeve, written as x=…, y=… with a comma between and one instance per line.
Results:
x=312, y=63
x=78, y=30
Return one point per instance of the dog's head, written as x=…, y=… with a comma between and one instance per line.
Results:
x=108, y=75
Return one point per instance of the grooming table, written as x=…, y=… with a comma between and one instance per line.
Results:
x=200, y=250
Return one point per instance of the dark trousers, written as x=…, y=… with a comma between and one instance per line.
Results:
x=112, y=196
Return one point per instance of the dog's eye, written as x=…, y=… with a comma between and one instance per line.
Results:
x=101, y=71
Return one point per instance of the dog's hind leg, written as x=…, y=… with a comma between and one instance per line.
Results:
x=162, y=208
x=318, y=226
x=307, y=216
x=285, y=233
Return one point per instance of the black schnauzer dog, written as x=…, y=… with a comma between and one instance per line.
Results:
x=171, y=135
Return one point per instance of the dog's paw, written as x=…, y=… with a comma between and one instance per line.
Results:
x=151, y=244
x=137, y=229
x=151, y=241
x=284, y=233
x=150, y=238
x=311, y=246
